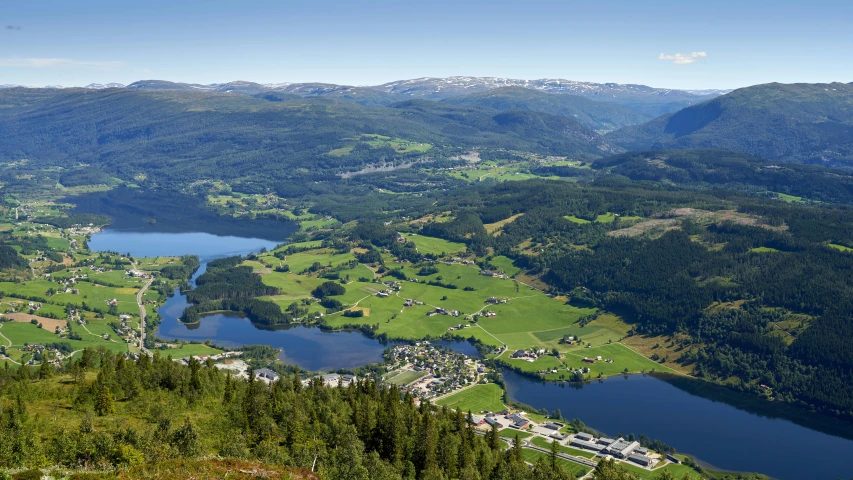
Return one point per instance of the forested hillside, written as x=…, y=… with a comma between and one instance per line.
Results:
x=135, y=419
x=599, y=116
x=805, y=123
x=138, y=134
x=702, y=169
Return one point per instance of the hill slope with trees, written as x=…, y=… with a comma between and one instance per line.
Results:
x=599, y=116
x=138, y=134
x=804, y=123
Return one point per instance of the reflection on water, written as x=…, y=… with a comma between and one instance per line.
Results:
x=715, y=431
x=308, y=347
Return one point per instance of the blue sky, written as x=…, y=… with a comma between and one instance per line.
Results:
x=684, y=44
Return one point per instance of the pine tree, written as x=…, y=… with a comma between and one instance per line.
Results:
x=555, y=449
x=45, y=370
x=104, y=404
x=228, y=395
x=492, y=437
x=515, y=453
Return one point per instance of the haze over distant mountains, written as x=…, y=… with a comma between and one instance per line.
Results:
x=648, y=101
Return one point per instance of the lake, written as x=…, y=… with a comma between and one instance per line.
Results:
x=739, y=434
x=308, y=347
x=716, y=432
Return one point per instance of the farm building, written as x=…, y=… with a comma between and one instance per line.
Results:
x=622, y=448
x=640, y=459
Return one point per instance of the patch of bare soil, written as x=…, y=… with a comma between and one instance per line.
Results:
x=48, y=324
x=672, y=220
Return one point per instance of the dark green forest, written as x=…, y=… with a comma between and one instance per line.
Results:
x=126, y=415
x=599, y=116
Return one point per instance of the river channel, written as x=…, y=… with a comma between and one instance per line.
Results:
x=713, y=425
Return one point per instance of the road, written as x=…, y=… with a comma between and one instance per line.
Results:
x=142, y=313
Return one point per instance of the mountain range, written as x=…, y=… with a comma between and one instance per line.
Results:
x=193, y=135
x=241, y=128
x=648, y=101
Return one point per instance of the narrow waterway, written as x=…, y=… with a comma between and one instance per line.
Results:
x=308, y=347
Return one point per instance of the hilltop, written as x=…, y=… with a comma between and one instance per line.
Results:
x=805, y=123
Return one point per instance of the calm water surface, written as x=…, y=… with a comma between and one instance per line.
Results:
x=715, y=432
x=718, y=433
x=310, y=348
x=155, y=244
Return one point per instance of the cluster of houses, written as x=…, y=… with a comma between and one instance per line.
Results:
x=129, y=334
x=530, y=356
x=459, y=260
x=459, y=327
x=56, y=357
x=443, y=371
x=487, y=314
x=83, y=230
x=203, y=358
x=596, y=359
x=392, y=288
x=134, y=273
x=332, y=380
x=619, y=448
x=489, y=273
x=501, y=420
x=443, y=311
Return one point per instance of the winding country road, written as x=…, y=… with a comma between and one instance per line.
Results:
x=142, y=313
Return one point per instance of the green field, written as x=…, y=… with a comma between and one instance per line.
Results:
x=541, y=442
x=302, y=260
x=843, y=248
x=479, y=398
x=377, y=141
x=505, y=264
x=406, y=377
x=190, y=349
x=434, y=246
x=678, y=470
x=532, y=456
x=501, y=173
x=623, y=358
x=763, y=250
x=512, y=433
x=790, y=198
x=20, y=334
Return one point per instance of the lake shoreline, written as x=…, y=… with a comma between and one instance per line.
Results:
x=327, y=349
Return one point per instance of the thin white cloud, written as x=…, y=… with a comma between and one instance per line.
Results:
x=682, y=59
x=55, y=62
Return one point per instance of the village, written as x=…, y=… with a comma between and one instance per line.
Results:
x=430, y=372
